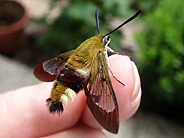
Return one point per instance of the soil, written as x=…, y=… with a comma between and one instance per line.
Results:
x=10, y=12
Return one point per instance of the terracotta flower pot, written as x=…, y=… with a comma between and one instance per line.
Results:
x=13, y=18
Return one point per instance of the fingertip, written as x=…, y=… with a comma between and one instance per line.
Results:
x=129, y=95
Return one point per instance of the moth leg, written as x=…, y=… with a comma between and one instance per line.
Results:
x=110, y=50
x=115, y=77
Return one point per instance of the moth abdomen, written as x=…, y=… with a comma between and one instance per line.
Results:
x=67, y=84
x=60, y=95
x=55, y=106
x=71, y=79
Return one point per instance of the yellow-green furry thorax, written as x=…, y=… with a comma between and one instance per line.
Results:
x=85, y=55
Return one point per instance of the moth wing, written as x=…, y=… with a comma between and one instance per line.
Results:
x=48, y=69
x=101, y=98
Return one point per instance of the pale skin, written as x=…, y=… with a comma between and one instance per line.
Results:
x=23, y=112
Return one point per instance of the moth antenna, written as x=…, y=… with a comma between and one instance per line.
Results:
x=131, y=18
x=97, y=21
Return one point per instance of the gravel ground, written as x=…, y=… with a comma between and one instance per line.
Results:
x=14, y=75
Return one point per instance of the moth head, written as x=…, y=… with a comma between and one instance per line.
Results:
x=106, y=37
x=106, y=40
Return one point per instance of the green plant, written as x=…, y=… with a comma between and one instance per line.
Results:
x=145, y=5
x=75, y=23
x=161, y=56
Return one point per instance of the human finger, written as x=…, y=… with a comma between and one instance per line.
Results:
x=24, y=112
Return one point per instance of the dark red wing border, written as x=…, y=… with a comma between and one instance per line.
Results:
x=47, y=70
x=42, y=75
x=108, y=120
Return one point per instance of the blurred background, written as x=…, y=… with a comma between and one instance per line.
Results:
x=31, y=31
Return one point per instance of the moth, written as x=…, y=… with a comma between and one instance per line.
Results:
x=85, y=68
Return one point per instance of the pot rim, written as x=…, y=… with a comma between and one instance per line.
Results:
x=17, y=25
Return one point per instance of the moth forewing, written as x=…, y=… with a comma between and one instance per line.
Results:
x=101, y=98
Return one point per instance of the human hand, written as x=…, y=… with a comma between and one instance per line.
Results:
x=24, y=112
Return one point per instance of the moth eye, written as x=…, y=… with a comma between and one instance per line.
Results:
x=106, y=40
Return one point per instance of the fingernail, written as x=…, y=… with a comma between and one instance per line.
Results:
x=137, y=86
